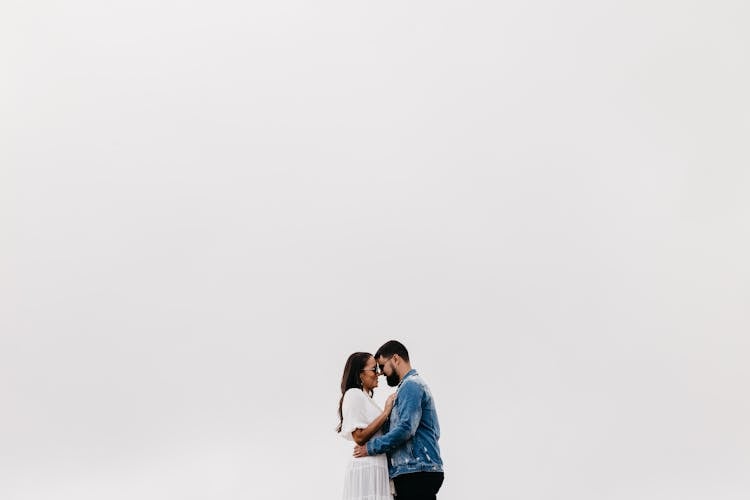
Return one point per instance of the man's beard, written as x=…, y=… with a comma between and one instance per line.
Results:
x=393, y=379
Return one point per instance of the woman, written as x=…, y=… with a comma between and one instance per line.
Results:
x=361, y=419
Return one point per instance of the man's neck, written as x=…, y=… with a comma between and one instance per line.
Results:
x=404, y=368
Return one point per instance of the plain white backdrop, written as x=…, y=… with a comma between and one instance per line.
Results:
x=207, y=206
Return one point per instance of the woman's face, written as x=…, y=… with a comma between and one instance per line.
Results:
x=369, y=375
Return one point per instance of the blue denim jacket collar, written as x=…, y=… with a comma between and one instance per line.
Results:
x=408, y=374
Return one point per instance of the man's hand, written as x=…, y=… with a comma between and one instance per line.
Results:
x=360, y=451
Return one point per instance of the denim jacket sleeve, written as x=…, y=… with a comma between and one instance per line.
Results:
x=409, y=408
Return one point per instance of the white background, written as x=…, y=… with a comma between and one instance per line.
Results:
x=207, y=206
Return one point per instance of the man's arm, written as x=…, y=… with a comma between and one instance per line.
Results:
x=409, y=410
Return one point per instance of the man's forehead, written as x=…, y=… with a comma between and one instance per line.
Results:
x=382, y=359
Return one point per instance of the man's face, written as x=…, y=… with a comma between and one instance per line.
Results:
x=388, y=369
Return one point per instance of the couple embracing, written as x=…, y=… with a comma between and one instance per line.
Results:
x=397, y=446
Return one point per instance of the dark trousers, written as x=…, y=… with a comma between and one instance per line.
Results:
x=418, y=485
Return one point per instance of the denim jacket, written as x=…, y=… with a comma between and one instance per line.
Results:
x=413, y=431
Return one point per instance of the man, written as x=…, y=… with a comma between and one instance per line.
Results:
x=411, y=442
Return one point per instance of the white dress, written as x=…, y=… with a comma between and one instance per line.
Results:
x=366, y=478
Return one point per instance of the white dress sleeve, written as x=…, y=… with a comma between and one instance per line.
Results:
x=353, y=411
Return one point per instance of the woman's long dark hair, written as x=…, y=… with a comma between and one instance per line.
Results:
x=350, y=380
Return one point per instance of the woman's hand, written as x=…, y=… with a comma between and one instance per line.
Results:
x=389, y=404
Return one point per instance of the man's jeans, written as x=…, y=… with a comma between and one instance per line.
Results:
x=418, y=485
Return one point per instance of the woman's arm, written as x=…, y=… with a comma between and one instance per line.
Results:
x=361, y=436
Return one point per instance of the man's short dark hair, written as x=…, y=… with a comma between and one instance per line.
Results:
x=393, y=347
